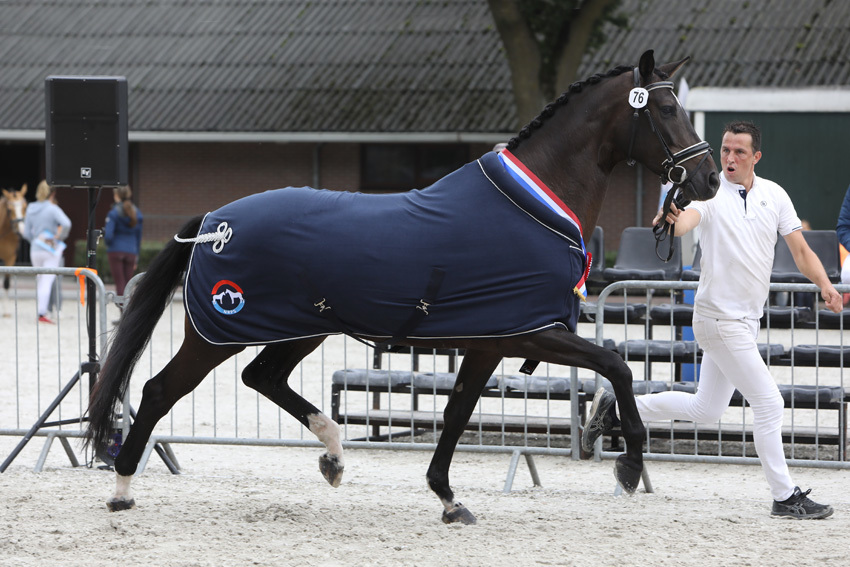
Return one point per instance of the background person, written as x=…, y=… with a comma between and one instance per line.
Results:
x=842, y=229
x=46, y=227
x=123, y=236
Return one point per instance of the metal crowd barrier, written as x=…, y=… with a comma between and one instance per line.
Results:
x=392, y=403
x=35, y=354
x=816, y=391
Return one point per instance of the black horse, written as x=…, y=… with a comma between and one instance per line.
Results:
x=629, y=114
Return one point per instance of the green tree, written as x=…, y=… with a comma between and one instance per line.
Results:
x=544, y=43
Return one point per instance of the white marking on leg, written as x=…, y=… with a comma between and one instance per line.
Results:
x=327, y=431
x=447, y=504
x=122, y=487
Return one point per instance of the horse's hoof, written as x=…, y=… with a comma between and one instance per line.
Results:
x=627, y=473
x=118, y=504
x=458, y=513
x=331, y=469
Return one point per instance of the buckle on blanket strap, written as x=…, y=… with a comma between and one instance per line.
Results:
x=423, y=306
x=420, y=311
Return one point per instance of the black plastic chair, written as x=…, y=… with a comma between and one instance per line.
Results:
x=675, y=314
x=692, y=274
x=784, y=316
x=637, y=260
x=826, y=319
x=615, y=312
x=824, y=243
x=679, y=314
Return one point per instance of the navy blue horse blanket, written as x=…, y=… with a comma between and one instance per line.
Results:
x=496, y=261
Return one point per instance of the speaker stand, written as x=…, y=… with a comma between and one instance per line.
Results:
x=91, y=367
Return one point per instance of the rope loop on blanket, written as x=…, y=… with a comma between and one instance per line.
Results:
x=220, y=237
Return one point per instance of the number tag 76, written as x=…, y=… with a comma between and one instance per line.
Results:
x=638, y=97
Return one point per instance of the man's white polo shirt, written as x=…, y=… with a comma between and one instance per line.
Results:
x=737, y=239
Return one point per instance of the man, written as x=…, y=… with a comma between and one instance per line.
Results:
x=738, y=232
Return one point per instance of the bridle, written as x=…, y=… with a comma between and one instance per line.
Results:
x=673, y=170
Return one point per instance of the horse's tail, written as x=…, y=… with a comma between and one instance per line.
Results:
x=149, y=299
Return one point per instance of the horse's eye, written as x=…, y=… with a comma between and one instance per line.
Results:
x=669, y=110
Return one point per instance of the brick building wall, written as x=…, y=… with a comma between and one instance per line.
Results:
x=177, y=181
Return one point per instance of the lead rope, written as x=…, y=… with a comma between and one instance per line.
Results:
x=664, y=229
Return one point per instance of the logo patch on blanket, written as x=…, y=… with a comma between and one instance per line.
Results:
x=227, y=297
x=302, y=262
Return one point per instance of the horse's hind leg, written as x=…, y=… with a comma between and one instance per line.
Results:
x=476, y=369
x=268, y=374
x=193, y=361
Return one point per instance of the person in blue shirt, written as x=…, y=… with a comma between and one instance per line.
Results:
x=123, y=235
x=843, y=231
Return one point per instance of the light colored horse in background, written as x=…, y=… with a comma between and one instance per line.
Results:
x=13, y=207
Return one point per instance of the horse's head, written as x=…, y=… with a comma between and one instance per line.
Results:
x=659, y=134
x=16, y=207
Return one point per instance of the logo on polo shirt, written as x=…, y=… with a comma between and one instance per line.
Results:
x=227, y=298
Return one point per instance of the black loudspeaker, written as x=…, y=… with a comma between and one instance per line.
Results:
x=86, y=131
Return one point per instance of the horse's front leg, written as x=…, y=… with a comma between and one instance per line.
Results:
x=628, y=467
x=562, y=347
x=476, y=369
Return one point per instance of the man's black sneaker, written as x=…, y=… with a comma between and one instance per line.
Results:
x=799, y=506
x=600, y=420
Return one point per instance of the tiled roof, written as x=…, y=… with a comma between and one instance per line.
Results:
x=738, y=43
x=265, y=66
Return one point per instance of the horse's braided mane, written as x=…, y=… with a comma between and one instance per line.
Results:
x=552, y=107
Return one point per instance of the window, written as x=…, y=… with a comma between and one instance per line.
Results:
x=399, y=167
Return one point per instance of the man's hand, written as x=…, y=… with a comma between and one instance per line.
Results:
x=832, y=299
x=672, y=216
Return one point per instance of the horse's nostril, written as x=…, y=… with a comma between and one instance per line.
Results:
x=714, y=181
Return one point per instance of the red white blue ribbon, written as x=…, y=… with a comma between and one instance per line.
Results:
x=531, y=183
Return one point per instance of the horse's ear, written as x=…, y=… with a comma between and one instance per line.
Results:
x=23, y=190
x=671, y=68
x=647, y=65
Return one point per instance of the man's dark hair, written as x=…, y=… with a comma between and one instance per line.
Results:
x=745, y=127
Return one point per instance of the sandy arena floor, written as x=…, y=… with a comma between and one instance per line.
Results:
x=270, y=506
